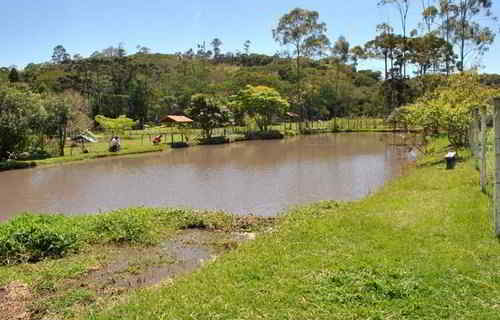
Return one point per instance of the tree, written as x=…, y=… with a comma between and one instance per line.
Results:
x=467, y=32
x=262, y=103
x=341, y=49
x=121, y=52
x=450, y=106
x=116, y=126
x=403, y=7
x=445, y=13
x=429, y=14
x=140, y=96
x=216, y=45
x=429, y=52
x=301, y=29
x=17, y=112
x=60, y=55
x=13, y=75
x=357, y=53
x=143, y=50
x=59, y=116
x=383, y=47
x=246, y=47
x=206, y=111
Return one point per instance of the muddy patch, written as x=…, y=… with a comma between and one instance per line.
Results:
x=122, y=270
x=14, y=300
x=132, y=268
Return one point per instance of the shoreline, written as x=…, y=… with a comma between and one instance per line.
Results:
x=164, y=147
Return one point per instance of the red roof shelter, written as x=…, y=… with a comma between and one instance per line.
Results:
x=176, y=119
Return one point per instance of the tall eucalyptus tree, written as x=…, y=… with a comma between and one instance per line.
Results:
x=302, y=30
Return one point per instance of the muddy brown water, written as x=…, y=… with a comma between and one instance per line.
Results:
x=258, y=177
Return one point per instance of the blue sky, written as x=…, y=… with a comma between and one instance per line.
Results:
x=31, y=29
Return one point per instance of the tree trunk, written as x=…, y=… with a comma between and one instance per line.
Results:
x=62, y=140
x=385, y=64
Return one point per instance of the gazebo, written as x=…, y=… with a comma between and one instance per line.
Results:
x=178, y=121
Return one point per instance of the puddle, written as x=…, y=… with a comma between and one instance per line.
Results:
x=121, y=270
x=143, y=267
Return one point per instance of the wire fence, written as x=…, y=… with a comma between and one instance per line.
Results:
x=484, y=141
x=482, y=145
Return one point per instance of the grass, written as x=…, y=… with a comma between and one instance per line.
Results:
x=55, y=255
x=100, y=150
x=421, y=248
x=32, y=238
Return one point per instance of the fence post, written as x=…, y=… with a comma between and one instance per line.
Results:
x=496, y=103
x=482, y=156
x=475, y=136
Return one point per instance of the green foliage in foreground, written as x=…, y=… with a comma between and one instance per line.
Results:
x=421, y=248
x=31, y=238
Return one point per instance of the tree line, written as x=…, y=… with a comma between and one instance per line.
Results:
x=312, y=76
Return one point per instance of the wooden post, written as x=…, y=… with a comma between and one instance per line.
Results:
x=482, y=155
x=475, y=128
x=496, y=102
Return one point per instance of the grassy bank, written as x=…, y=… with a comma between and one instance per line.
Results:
x=420, y=248
x=13, y=165
x=56, y=266
x=32, y=238
x=101, y=152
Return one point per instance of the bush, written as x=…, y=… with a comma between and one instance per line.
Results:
x=121, y=226
x=264, y=135
x=40, y=155
x=11, y=165
x=177, y=145
x=30, y=238
x=214, y=140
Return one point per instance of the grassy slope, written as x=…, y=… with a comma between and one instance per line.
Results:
x=420, y=248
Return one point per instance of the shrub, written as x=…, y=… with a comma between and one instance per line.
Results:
x=214, y=140
x=30, y=238
x=11, y=165
x=264, y=135
x=177, y=145
x=130, y=225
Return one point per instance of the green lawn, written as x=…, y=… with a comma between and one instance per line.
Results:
x=421, y=248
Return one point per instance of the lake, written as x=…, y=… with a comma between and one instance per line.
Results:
x=257, y=177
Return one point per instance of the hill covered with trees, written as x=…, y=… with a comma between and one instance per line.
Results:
x=319, y=78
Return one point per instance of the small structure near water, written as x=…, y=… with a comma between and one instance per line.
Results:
x=179, y=122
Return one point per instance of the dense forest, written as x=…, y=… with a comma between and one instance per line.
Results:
x=319, y=78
